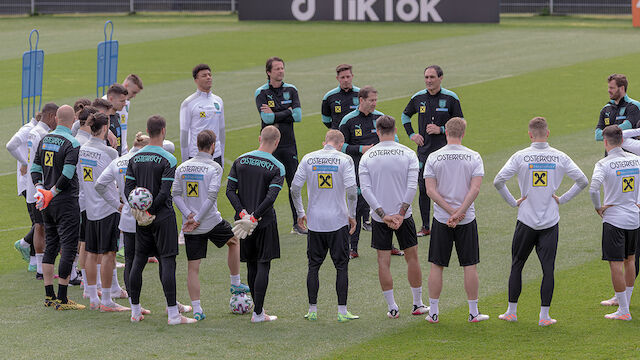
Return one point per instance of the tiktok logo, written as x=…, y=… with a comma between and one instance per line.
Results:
x=297, y=12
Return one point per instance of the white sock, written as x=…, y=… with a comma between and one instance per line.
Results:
x=173, y=311
x=39, y=262
x=623, y=305
x=544, y=312
x=513, y=308
x=433, y=306
x=235, y=279
x=196, y=306
x=342, y=309
x=99, y=276
x=32, y=260
x=24, y=244
x=130, y=303
x=313, y=308
x=115, y=286
x=92, y=291
x=106, y=296
x=629, y=291
x=136, y=310
x=473, y=307
x=258, y=316
x=74, y=269
x=417, y=296
x=84, y=279
x=391, y=303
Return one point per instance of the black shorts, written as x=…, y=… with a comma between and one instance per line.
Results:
x=336, y=242
x=34, y=214
x=443, y=237
x=102, y=235
x=382, y=235
x=261, y=246
x=196, y=245
x=618, y=244
x=83, y=225
x=160, y=238
x=61, y=228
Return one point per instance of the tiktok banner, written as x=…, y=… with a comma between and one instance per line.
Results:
x=447, y=11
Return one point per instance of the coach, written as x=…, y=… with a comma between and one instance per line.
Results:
x=621, y=110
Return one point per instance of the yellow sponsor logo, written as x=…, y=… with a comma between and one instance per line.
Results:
x=325, y=181
x=48, y=158
x=192, y=189
x=338, y=109
x=87, y=173
x=270, y=103
x=203, y=114
x=423, y=109
x=628, y=184
x=358, y=132
x=539, y=178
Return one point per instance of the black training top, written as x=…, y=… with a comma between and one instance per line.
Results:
x=114, y=126
x=285, y=104
x=336, y=104
x=359, y=130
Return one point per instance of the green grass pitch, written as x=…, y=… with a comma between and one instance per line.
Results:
x=504, y=74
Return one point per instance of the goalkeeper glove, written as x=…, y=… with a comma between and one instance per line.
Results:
x=142, y=217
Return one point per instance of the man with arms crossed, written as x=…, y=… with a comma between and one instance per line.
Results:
x=540, y=169
x=619, y=174
x=389, y=181
x=255, y=180
x=453, y=176
x=195, y=192
x=329, y=173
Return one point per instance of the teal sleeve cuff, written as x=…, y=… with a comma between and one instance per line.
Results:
x=344, y=148
x=442, y=130
x=599, y=135
x=326, y=119
x=360, y=149
x=68, y=170
x=129, y=177
x=232, y=178
x=397, y=139
x=36, y=168
x=268, y=118
x=405, y=118
x=410, y=135
x=626, y=125
x=297, y=114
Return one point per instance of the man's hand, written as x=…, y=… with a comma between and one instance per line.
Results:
x=519, y=201
x=455, y=218
x=43, y=198
x=366, y=148
x=266, y=109
x=352, y=225
x=113, y=140
x=191, y=216
x=418, y=139
x=120, y=207
x=556, y=198
x=601, y=210
x=392, y=221
x=190, y=225
x=23, y=170
x=302, y=223
x=433, y=129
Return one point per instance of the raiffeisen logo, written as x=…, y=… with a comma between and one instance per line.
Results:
x=363, y=10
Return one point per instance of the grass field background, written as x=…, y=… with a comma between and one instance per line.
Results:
x=504, y=74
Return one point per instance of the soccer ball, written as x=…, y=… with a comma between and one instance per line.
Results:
x=140, y=198
x=240, y=304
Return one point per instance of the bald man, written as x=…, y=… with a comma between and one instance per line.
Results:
x=54, y=175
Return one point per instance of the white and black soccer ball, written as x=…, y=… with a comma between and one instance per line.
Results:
x=241, y=304
x=140, y=198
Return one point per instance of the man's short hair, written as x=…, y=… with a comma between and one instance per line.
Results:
x=49, y=109
x=96, y=122
x=100, y=103
x=620, y=79
x=385, y=124
x=613, y=135
x=269, y=65
x=117, y=89
x=155, y=124
x=334, y=136
x=205, y=139
x=366, y=90
x=437, y=68
x=83, y=114
x=269, y=135
x=135, y=80
x=343, y=67
x=199, y=68
x=80, y=104
x=538, y=127
x=456, y=127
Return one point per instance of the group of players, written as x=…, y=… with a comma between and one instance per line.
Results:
x=361, y=170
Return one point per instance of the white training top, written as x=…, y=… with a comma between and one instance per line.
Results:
x=195, y=190
x=328, y=173
x=94, y=158
x=540, y=170
x=453, y=167
x=35, y=135
x=618, y=173
x=201, y=111
x=389, y=177
x=116, y=172
x=83, y=137
x=17, y=147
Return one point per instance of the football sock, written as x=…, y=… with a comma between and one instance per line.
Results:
x=106, y=297
x=513, y=308
x=417, y=296
x=39, y=257
x=32, y=260
x=313, y=308
x=24, y=244
x=98, y=277
x=629, y=291
x=84, y=279
x=136, y=310
x=391, y=303
x=433, y=306
x=235, y=279
x=62, y=293
x=544, y=312
x=258, y=316
x=48, y=290
x=623, y=305
x=342, y=309
x=74, y=272
x=92, y=291
x=473, y=307
x=196, y=306
x=173, y=311
x=115, y=285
